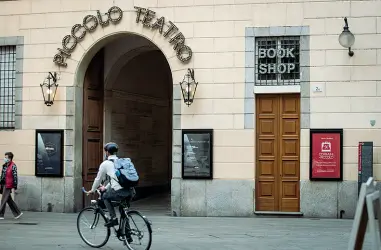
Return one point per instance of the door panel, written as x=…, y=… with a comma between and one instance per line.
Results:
x=92, y=122
x=267, y=133
x=277, y=152
x=289, y=153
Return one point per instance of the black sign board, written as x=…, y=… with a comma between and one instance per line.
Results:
x=197, y=154
x=49, y=153
x=365, y=162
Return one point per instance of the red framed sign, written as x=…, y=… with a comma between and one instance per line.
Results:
x=326, y=154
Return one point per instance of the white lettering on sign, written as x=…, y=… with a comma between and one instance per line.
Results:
x=272, y=53
x=276, y=68
x=273, y=68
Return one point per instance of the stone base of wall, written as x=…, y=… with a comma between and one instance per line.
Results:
x=201, y=198
x=236, y=198
x=198, y=198
x=327, y=199
x=49, y=194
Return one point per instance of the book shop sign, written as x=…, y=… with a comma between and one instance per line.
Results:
x=114, y=15
x=271, y=68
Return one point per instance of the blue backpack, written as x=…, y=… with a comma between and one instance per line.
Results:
x=126, y=173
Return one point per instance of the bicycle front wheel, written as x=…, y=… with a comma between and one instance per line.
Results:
x=91, y=229
x=137, y=231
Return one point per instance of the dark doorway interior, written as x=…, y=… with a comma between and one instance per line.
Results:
x=135, y=112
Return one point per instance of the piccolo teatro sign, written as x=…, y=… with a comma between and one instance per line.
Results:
x=183, y=52
x=114, y=15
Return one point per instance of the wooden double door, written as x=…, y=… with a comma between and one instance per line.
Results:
x=92, y=127
x=277, y=152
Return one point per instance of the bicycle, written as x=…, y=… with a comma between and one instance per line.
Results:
x=124, y=232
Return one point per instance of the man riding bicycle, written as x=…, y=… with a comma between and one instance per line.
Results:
x=113, y=190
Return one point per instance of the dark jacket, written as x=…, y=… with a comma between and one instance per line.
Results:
x=14, y=173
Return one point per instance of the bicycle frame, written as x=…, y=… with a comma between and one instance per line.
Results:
x=122, y=210
x=124, y=220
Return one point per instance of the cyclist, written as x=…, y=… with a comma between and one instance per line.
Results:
x=113, y=191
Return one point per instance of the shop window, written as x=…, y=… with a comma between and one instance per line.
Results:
x=277, y=61
x=7, y=86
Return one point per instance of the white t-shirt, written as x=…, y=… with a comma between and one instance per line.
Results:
x=107, y=168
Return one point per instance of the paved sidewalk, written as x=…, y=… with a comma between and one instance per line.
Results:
x=43, y=231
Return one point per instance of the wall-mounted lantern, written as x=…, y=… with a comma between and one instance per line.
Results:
x=346, y=38
x=188, y=87
x=49, y=88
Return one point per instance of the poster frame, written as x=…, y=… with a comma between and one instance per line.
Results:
x=197, y=131
x=61, y=144
x=326, y=131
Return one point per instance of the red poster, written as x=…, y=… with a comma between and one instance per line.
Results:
x=326, y=155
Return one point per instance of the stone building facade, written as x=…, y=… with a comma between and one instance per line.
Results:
x=253, y=60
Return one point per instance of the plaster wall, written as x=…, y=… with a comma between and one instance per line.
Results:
x=216, y=32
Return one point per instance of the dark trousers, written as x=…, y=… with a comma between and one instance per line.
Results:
x=7, y=198
x=112, y=195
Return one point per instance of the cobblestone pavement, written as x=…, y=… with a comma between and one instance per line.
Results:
x=42, y=231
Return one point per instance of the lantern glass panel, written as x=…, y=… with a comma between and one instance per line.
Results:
x=188, y=88
x=346, y=39
x=49, y=90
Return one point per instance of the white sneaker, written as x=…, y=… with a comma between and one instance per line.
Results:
x=18, y=216
x=1, y=218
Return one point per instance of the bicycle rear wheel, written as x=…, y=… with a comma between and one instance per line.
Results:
x=137, y=231
x=90, y=221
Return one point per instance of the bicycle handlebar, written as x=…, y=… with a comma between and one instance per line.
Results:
x=84, y=190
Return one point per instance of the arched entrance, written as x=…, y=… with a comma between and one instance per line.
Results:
x=127, y=99
x=89, y=47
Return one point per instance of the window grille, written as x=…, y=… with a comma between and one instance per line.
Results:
x=7, y=86
x=277, y=61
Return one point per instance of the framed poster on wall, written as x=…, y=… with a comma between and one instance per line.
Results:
x=49, y=153
x=326, y=154
x=197, y=154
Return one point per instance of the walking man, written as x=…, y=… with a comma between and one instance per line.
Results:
x=8, y=181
